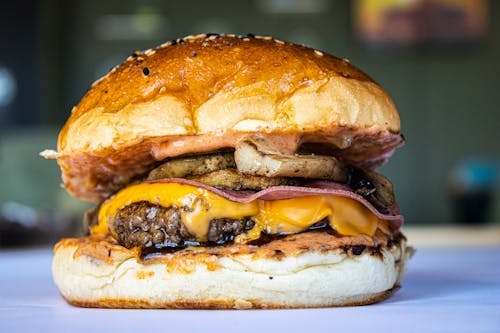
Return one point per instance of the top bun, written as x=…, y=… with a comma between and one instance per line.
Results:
x=204, y=93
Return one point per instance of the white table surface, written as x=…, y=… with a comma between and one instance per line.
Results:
x=445, y=290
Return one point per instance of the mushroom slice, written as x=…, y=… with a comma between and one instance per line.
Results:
x=192, y=165
x=257, y=157
x=231, y=179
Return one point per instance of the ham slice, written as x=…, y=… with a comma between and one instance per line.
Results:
x=288, y=192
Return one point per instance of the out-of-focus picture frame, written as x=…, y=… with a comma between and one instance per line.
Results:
x=409, y=23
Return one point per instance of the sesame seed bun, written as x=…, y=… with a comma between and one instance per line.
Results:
x=204, y=93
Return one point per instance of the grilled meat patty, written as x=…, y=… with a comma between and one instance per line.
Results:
x=145, y=224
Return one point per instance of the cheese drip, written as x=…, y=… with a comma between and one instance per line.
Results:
x=199, y=206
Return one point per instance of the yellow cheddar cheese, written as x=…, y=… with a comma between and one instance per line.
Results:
x=198, y=206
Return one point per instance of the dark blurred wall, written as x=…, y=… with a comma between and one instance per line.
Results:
x=19, y=58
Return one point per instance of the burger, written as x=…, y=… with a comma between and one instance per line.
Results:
x=231, y=172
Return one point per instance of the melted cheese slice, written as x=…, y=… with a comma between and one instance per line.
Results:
x=198, y=207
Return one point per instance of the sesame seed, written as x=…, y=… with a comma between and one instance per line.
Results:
x=318, y=53
x=145, y=70
x=279, y=41
x=346, y=60
x=193, y=54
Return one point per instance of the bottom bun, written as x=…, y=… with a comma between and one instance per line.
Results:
x=312, y=269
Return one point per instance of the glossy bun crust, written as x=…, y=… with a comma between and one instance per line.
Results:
x=312, y=269
x=204, y=93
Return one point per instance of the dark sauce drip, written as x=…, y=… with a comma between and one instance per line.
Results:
x=149, y=253
x=265, y=239
x=357, y=249
x=359, y=183
x=152, y=252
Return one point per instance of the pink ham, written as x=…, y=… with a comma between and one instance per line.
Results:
x=289, y=192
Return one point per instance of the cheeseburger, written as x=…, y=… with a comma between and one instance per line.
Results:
x=231, y=172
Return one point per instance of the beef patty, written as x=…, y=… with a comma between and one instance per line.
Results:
x=145, y=224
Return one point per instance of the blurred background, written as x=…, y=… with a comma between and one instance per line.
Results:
x=438, y=59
